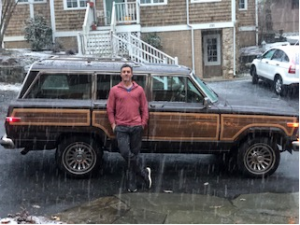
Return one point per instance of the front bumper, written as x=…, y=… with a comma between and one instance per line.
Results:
x=7, y=142
x=295, y=146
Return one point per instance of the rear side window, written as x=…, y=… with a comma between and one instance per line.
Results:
x=61, y=86
x=106, y=82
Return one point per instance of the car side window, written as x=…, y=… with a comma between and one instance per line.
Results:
x=61, y=86
x=285, y=58
x=278, y=56
x=174, y=89
x=106, y=82
x=168, y=88
x=268, y=54
x=193, y=95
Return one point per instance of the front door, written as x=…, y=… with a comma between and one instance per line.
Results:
x=212, y=65
x=108, y=8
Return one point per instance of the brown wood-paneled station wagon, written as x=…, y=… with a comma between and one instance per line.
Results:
x=62, y=106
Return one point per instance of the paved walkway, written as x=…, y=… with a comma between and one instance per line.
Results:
x=159, y=208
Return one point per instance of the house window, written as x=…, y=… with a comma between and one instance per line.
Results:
x=212, y=50
x=75, y=4
x=295, y=4
x=201, y=1
x=153, y=2
x=30, y=1
x=242, y=4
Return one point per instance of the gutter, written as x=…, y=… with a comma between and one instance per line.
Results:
x=192, y=34
x=256, y=22
x=52, y=15
x=233, y=19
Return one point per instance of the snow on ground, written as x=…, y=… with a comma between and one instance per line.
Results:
x=10, y=87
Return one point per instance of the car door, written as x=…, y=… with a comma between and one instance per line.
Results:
x=178, y=119
x=263, y=65
x=278, y=64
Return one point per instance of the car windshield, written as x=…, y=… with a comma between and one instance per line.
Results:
x=206, y=89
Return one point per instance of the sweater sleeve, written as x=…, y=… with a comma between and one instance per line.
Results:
x=144, y=109
x=111, y=106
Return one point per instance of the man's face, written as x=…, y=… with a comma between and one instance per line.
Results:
x=126, y=74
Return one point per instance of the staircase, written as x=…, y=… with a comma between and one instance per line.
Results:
x=107, y=42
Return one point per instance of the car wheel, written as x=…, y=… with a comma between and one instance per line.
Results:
x=78, y=157
x=255, y=77
x=258, y=157
x=278, y=86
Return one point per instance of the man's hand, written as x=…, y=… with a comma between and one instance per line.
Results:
x=113, y=127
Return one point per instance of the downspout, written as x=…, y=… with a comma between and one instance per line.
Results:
x=192, y=34
x=256, y=22
x=52, y=15
x=233, y=19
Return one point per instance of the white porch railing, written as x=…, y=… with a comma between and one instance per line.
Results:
x=139, y=51
x=89, y=19
x=127, y=13
x=120, y=44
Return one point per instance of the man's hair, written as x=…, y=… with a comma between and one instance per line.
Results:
x=126, y=65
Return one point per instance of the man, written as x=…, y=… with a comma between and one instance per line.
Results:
x=127, y=110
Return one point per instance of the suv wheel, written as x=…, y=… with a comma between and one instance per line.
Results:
x=255, y=77
x=278, y=86
x=258, y=157
x=78, y=156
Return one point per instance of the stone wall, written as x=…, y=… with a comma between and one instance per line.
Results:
x=227, y=50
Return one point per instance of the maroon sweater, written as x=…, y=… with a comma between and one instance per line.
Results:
x=129, y=108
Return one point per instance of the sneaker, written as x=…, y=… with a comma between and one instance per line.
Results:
x=132, y=190
x=132, y=187
x=148, y=177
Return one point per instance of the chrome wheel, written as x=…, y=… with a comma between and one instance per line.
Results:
x=278, y=86
x=258, y=157
x=78, y=156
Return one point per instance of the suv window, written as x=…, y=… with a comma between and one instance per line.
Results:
x=174, y=89
x=278, y=56
x=61, y=86
x=105, y=82
x=268, y=54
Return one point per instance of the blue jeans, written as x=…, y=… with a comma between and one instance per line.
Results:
x=129, y=140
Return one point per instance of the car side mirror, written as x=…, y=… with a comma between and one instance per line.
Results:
x=207, y=102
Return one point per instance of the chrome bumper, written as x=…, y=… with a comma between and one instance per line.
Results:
x=7, y=142
x=295, y=146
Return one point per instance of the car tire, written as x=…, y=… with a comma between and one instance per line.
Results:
x=258, y=157
x=78, y=157
x=279, y=88
x=255, y=77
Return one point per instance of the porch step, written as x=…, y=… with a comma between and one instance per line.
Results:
x=99, y=43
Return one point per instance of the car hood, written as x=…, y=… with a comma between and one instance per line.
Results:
x=256, y=107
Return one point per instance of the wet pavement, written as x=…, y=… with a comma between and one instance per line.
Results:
x=172, y=208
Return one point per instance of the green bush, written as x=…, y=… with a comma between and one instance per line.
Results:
x=38, y=33
x=152, y=39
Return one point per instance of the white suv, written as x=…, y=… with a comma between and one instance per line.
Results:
x=279, y=65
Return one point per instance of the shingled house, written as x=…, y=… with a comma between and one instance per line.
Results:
x=202, y=34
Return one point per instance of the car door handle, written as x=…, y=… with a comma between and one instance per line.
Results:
x=156, y=105
x=267, y=62
x=277, y=64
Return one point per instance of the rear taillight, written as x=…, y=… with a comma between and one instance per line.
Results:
x=13, y=119
x=292, y=69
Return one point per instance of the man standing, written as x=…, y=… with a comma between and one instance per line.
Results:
x=127, y=110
